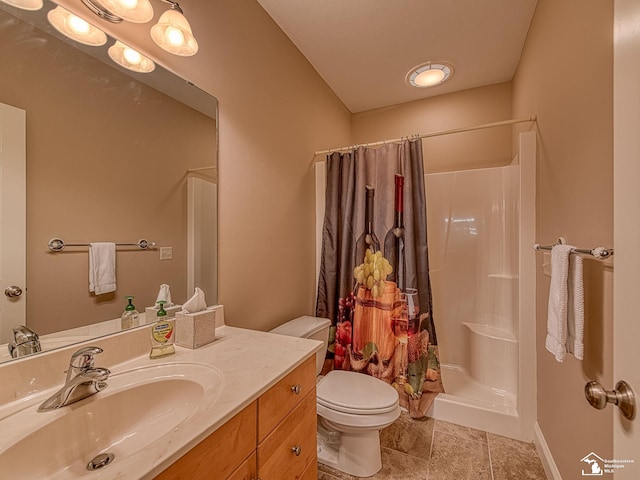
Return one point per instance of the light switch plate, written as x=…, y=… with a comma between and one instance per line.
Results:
x=166, y=253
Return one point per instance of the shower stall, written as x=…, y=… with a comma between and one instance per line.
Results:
x=473, y=250
x=481, y=229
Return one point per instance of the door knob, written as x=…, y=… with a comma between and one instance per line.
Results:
x=13, y=291
x=622, y=396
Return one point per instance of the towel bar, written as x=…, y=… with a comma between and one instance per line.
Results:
x=598, y=252
x=57, y=244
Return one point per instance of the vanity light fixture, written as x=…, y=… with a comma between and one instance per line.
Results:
x=129, y=58
x=429, y=74
x=173, y=32
x=75, y=27
x=25, y=4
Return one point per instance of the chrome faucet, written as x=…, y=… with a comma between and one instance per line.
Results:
x=25, y=342
x=83, y=380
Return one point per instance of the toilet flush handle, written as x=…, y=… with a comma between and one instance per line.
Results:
x=296, y=389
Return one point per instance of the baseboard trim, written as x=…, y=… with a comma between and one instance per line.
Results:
x=548, y=463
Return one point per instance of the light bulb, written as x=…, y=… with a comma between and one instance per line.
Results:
x=136, y=11
x=174, y=36
x=78, y=25
x=76, y=28
x=131, y=56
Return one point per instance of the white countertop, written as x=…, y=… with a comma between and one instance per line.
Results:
x=250, y=362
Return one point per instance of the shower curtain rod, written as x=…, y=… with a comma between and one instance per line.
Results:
x=532, y=118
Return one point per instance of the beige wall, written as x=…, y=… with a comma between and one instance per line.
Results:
x=557, y=80
x=274, y=112
x=484, y=148
x=98, y=170
x=274, y=117
x=565, y=77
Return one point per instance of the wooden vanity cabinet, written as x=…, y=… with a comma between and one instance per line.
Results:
x=274, y=438
x=247, y=471
x=220, y=454
x=287, y=441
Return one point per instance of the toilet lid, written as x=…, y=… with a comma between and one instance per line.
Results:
x=352, y=392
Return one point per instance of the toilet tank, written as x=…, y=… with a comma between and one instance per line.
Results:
x=315, y=328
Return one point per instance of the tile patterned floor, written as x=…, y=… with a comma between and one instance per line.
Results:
x=430, y=449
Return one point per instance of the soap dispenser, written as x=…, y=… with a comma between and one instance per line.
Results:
x=129, y=317
x=162, y=334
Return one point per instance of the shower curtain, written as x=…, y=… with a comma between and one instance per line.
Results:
x=374, y=274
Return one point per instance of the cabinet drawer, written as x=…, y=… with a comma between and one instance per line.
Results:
x=218, y=455
x=280, y=399
x=311, y=473
x=276, y=460
x=246, y=471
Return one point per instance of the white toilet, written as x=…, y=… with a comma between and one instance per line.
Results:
x=352, y=408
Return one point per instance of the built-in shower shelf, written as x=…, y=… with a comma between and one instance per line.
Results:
x=488, y=350
x=503, y=276
x=490, y=331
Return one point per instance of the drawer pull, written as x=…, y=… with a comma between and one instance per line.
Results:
x=296, y=389
x=297, y=450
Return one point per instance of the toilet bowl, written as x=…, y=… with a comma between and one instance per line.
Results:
x=352, y=408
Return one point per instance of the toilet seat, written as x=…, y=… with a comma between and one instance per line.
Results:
x=355, y=393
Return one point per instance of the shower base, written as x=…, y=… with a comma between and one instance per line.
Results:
x=458, y=383
x=469, y=403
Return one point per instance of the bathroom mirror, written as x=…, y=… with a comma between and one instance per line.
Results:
x=111, y=156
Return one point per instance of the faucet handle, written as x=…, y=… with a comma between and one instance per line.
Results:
x=84, y=358
x=22, y=334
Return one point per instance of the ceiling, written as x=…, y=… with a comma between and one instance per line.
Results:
x=364, y=49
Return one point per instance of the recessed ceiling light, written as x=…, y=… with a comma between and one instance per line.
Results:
x=429, y=74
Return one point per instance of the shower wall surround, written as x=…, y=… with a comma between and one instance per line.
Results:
x=481, y=232
x=473, y=247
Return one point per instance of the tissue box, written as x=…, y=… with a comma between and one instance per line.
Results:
x=194, y=330
x=152, y=312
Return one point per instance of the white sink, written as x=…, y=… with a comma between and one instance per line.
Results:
x=139, y=407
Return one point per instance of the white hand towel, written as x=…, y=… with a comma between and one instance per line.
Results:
x=102, y=267
x=558, y=293
x=196, y=303
x=575, y=308
x=164, y=295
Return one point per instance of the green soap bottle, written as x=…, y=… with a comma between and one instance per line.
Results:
x=162, y=334
x=129, y=317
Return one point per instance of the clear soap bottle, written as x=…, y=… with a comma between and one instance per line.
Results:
x=162, y=334
x=129, y=317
